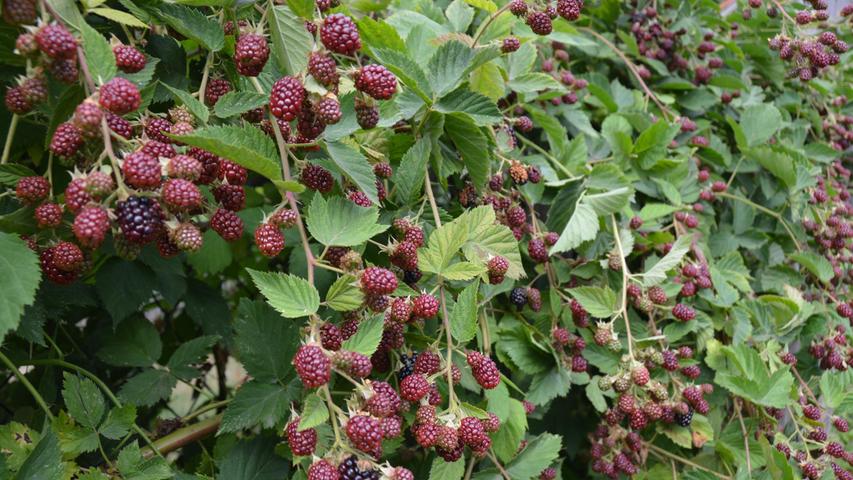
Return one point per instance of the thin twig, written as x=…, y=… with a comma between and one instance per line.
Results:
x=683, y=460
x=623, y=311
x=766, y=210
x=29, y=386
x=745, y=434
x=10, y=135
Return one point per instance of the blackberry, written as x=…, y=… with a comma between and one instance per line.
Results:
x=251, y=54
x=119, y=125
x=141, y=170
x=66, y=141
x=185, y=167
x=376, y=81
x=87, y=118
x=518, y=7
x=411, y=277
x=323, y=68
x=484, y=370
x=120, y=96
x=26, y=45
x=19, y=12
x=91, y=225
x=365, y=433
x=65, y=70
x=425, y=306
x=233, y=173
x=539, y=22
x=366, y=115
x=317, y=178
x=302, y=443
x=408, y=365
x=215, y=89
x=48, y=215
x=518, y=297
x=329, y=110
x=339, y=34
x=52, y=271
x=227, y=224
x=128, y=58
x=230, y=197
x=67, y=256
x=181, y=195
x=55, y=41
x=534, y=299
x=31, y=190
x=139, y=218
x=684, y=419
x=683, y=312
x=286, y=97
x=156, y=128
x=187, y=237
x=569, y=9
x=16, y=101
x=158, y=149
x=383, y=170
x=537, y=250
x=510, y=44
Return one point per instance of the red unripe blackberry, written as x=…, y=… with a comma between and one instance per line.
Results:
x=187, y=237
x=269, y=239
x=405, y=255
x=87, y=118
x=378, y=281
x=233, y=173
x=383, y=170
x=141, y=171
x=140, y=219
x=251, y=54
x=359, y=198
x=180, y=129
x=48, y=215
x=683, y=312
x=66, y=141
x=286, y=98
x=26, y=45
x=67, y=256
x=376, y=81
x=330, y=336
x=323, y=470
x=804, y=17
x=284, y=218
x=76, y=195
x=302, y=443
x=518, y=7
x=227, y=224
x=35, y=88
x=185, y=167
x=215, y=89
x=329, y=110
x=484, y=370
x=569, y=9
x=366, y=115
x=640, y=375
x=120, y=96
x=31, y=190
x=634, y=291
x=414, y=387
x=539, y=22
x=400, y=473
x=128, y=58
x=845, y=310
x=691, y=371
x=497, y=268
x=365, y=433
x=509, y=45
x=537, y=250
x=65, y=70
x=414, y=234
x=841, y=424
x=353, y=363
x=548, y=474
x=156, y=128
x=339, y=34
x=230, y=197
x=55, y=41
x=52, y=272
x=657, y=295
x=16, y=100
x=119, y=125
x=323, y=68
x=534, y=298
x=312, y=366
x=181, y=195
x=471, y=432
x=90, y=226
x=812, y=412
x=401, y=310
x=425, y=306
x=19, y=12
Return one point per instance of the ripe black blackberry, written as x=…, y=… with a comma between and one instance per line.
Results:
x=339, y=34
x=518, y=297
x=685, y=419
x=128, y=58
x=286, y=98
x=323, y=68
x=348, y=470
x=366, y=115
x=140, y=219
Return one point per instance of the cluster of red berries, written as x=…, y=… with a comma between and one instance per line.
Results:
x=540, y=17
x=809, y=56
x=830, y=226
x=570, y=347
x=834, y=350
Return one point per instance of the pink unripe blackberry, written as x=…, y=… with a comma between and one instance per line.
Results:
x=128, y=58
x=286, y=97
x=312, y=366
x=339, y=34
x=376, y=81
x=120, y=96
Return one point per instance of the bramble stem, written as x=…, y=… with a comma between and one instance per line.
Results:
x=683, y=460
x=7, y=147
x=29, y=386
x=766, y=210
x=623, y=311
x=431, y=196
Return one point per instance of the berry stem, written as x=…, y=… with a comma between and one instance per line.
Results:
x=633, y=68
x=29, y=386
x=501, y=468
x=678, y=458
x=623, y=311
x=448, y=367
x=431, y=196
x=334, y=419
x=7, y=147
x=804, y=385
x=108, y=147
x=550, y=157
x=488, y=22
x=743, y=431
x=766, y=210
x=183, y=436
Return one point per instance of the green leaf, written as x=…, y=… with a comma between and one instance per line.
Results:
x=68, y=12
x=378, y=34
x=342, y=223
x=99, y=55
x=534, y=82
x=124, y=286
x=352, y=163
x=214, y=255
x=188, y=353
x=759, y=123
x=198, y=109
x=462, y=271
x=481, y=109
x=741, y=370
x=193, y=24
x=447, y=65
x=472, y=145
x=366, y=338
x=608, y=202
x=487, y=5
x=593, y=393
x=133, y=466
x=314, y=413
x=83, y=400
x=651, y=211
x=344, y=295
x=487, y=80
x=291, y=42
x=512, y=430
x=235, y=103
x=10, y=173
x=818, y=265
x=657, y=273
x=118, y=423
x=265, y=342
x=303, y=8
x=835, y=387
x=409, y=176
x=486, y=238
x=148, y=388
x=45, y=462
x=463, y=318
x=257, y=404
x=582, y=227
x=253, y=460
x=443, y=244
x=549, y=385
x=119, y=16
x=599, y=302
x=782, y=166
x=406, y=70
x=442, y=470
x=20, y=279
x=135, y=344
x=246, y=145
x=538, y=455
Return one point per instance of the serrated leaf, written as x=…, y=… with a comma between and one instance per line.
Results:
x=119, y=16
x=265, y=342
x=235, y=103
x=608, y=202
x=443, y=244
x=193, y=24
x=463, y=318
x=303, y=8
x=782, y=166
x=83, y=400
x=355, y=166
x=511, y=432
x=342, y=223
x=442, y=470
x=409, y=176
x=462, y=271
x=148, y=388
x=406, y=70
x=538, y=455
x=213, y=257
x=651, y=211
x=472, y=145
x=20, y=279
x=254, y=459
x=291, y=42
x=534, y=82
x=198, y=109
x=118, y=423
x=188, y=353
x=582, y=227
x=378, y=34
x=124, y=286
x=485, y=239
x=818, y=265
x=549, y=385
x=247, y=146
x=447, y=65
x=99, y=55
x=291, y=296
x=133, y=466
x=657, y=273
x=135, y=344
x=314, y=413
x=759, y=123
x=366, y=338
x=599, y=302
x=256, y=404
x=487, y=5
x=45, y=461
x=481, y=109
x=344, y=295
